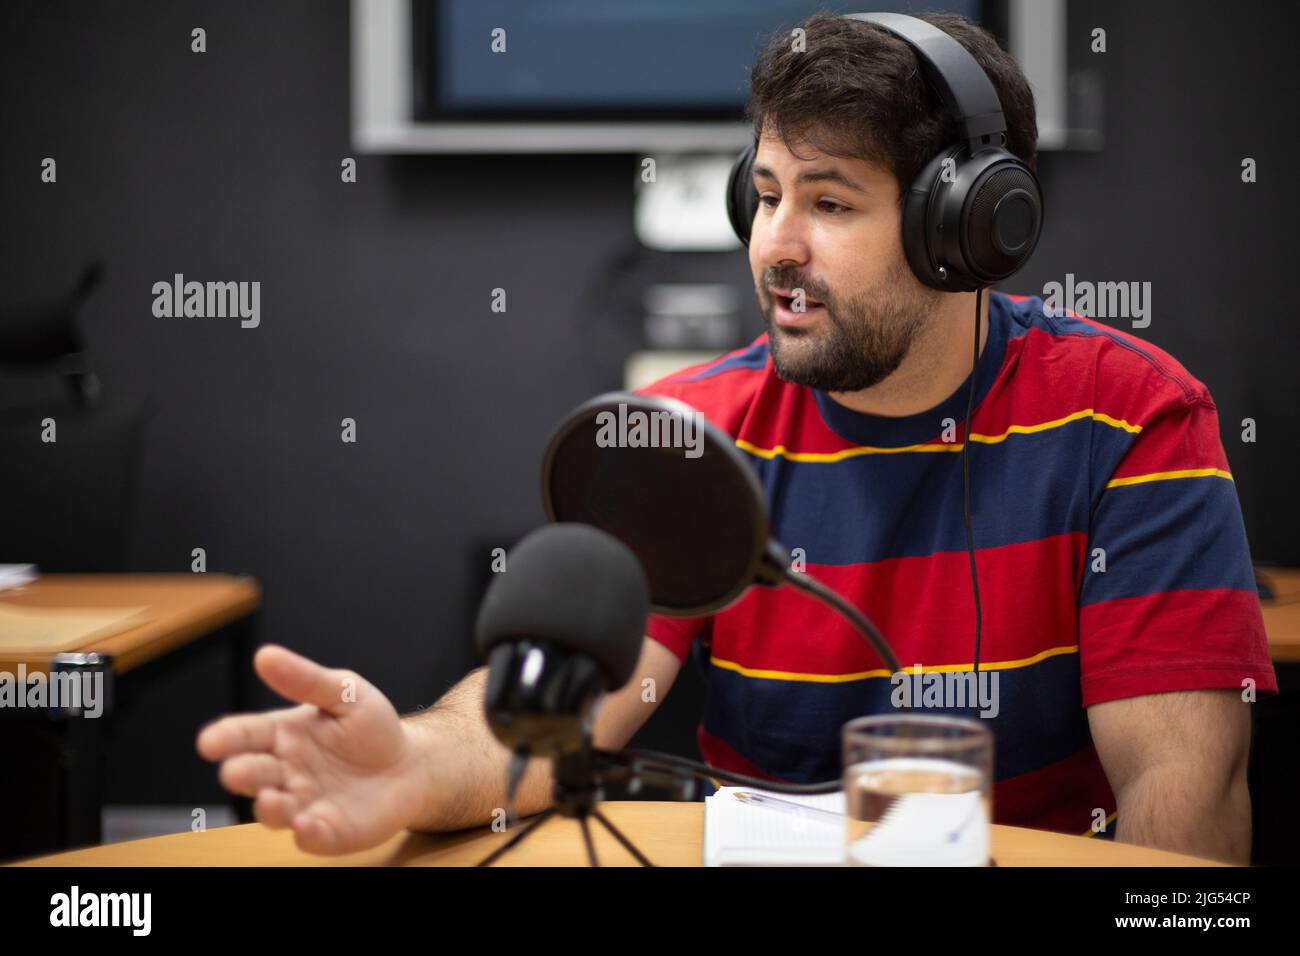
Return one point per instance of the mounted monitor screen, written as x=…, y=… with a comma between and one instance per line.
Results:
x=594, y=59
x=628, y=76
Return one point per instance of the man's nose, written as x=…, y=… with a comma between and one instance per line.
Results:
x=782, y=237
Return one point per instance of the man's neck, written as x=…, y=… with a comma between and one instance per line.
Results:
x=936, y=364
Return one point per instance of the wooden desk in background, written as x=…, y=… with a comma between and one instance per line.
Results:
x=57, y=793
x=181, y=608
x=1282, y=614
x=669, y=834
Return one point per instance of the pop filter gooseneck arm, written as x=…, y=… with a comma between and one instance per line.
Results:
x=775, y=570
x=821, y=592
x=667, y=770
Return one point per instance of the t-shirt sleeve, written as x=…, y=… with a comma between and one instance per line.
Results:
x=675, y=633
x=1167, y=599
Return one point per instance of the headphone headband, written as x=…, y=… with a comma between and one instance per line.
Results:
x=957, y=77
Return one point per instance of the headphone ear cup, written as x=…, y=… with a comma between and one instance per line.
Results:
x=975, y=228
x=1003, y=217
x=918, y=224
x=742, y=197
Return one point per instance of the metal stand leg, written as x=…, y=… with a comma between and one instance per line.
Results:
x=627, y=844
x=518, y=837
x=586, y=837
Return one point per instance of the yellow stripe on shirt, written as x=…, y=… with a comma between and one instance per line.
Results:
x=884, y=672
x=829, y=456
x=1169, y=475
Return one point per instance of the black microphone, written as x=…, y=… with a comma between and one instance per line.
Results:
x=560, y=626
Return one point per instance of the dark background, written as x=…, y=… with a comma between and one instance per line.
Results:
x=375, y=305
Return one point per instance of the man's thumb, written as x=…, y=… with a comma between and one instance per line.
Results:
x=303, y=680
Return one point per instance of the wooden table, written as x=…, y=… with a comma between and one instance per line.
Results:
x=1282, y=615
x=670, y=834
x=59, y=795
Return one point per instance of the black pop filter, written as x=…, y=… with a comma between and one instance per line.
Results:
x=654, y=473
x=679, y=494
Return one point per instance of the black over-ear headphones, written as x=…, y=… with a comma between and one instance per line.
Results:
x=973, y=214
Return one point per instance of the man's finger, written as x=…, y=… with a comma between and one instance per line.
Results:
x=243, y=733
x=274, y=808
x=246, y=774
x=303, y=680
x=314, y=834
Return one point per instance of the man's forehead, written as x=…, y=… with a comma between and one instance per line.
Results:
x=789, y=160
x=771, y=141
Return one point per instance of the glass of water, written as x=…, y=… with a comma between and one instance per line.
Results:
x=917, y=790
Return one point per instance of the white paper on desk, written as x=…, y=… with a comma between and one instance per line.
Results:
x=16, y=575
x=927, y=829
x=743, y=834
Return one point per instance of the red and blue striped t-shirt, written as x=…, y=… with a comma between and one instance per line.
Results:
x=1111, y=553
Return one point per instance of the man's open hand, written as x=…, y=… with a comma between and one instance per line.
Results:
x=340, y=768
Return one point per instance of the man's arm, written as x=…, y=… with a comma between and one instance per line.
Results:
x=1177, y=766
x=464, y=766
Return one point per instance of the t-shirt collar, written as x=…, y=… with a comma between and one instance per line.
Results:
x=880, y=430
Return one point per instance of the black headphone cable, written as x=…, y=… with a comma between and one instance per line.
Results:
x=965, y=479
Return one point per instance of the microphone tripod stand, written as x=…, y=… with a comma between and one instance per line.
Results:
x=579, y=780
x=581, y=775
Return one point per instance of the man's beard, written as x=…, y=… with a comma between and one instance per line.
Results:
x=864, y=340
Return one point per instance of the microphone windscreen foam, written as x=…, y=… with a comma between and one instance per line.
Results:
x=574, y=585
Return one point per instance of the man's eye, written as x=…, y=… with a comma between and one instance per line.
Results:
x=828, y=206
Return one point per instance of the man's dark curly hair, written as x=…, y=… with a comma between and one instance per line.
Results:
x=856, y=90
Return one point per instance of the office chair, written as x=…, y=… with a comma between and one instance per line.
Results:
x=69, y=504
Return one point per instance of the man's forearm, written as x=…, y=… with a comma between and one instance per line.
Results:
x=1166, y=809
x=463, y=767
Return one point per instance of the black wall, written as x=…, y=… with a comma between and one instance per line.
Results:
x=375, y=305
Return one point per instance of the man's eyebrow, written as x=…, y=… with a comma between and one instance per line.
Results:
x=828, y=175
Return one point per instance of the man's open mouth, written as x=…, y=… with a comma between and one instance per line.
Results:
x=788, y=301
